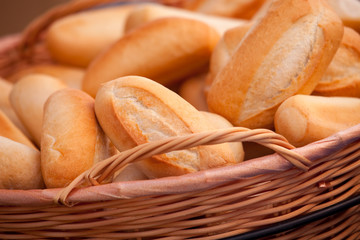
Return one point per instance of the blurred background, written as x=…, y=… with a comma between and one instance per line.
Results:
x=15, y=15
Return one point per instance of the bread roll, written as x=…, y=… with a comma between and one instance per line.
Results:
x=72, y=141
x=71, y=76
x=19, y=166
x=78, y=38
x=348, y=11
x=5, y=106
x=342, y=77
x=148, y=12
x=165, y=50
x=304, y=119
x=9, y=130
x=244, y=9
x=192, y=90
x=28, y=97
x=135, y=110
x=284, y=53
x=220, y=122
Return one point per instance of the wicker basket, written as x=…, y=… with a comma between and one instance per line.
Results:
x=256, y=195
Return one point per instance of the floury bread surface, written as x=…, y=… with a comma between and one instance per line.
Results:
x=134, y=110
x=165, y=50
x=284, y=53
x=72, y=141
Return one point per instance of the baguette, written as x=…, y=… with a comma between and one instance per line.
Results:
x=286, y=52
x=72, y=141
x=19, y=166
x=134, y=110
x=28, y=97
x=78, y=38
x=303, y=119
x=184, y=45
x=348, y=11
x=342, y=77
x=192, y=90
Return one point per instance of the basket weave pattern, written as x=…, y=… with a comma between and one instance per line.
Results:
x=210, y=204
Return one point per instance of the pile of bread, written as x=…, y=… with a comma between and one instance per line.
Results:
x=136, y=73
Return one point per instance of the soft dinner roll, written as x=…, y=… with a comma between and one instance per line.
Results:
x=135, y=110
x=304, y=119
x=220, y=122
x=28, y=97
x=72, y=141
x=9, y=130
x=5, y=105
x=77, y=39
x=71, y=76
x=166, y=50
x=348, y=11
x=149, y=12
x=284, y=53
x=244, y=9
x=19, y=166
x=342, y=77
x=192, y=90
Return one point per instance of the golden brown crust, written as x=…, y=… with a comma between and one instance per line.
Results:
x=284, y=53
x=135, y=110
x=72, y=141
x=184, y=45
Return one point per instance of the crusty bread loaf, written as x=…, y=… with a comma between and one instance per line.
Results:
x=165, y=50
x=5, y=106
x=192, y=90
x=284, y=53
x=19, y=166
x=148, y=12
x=244, y=9
x=9, y=130
x=303, y=119
x=78, y=38
x=71, y=76
x=342, y=77
x=28, y=97
x=348, y=11
x=134, y=110
x=220, y=122
x=72, y=141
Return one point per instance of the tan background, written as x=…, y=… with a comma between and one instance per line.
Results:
x=16, y=14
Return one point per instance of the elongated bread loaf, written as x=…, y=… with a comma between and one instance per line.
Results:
x=165, y=50
x=9, y=130
x=284, y=53
x=71, y=76
x=304, y=119
x=135, y=110
x=78, y=38
x=342, y=77
x=348, y=11
x=192, y=90
x=72, y=141
x=19, y=166
x=149, y=12
x=28, y=97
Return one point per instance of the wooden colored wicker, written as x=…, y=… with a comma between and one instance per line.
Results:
x=210, y=204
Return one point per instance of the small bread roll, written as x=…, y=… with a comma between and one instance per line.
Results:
x=19, y=166
x=166, y=50
x=192, y=90
x=28, y=97
x=135, y=110
x=220, y=122
x=244, y=9
x=78, y=38
x=9, y=130
x=149, y=12
x=303, y=119
x=5, y=105
x=71, y=76
x=72, y=141
x=348, y=11
x=286, y=52
x=342, y=77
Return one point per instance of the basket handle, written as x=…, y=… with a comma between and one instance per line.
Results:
x=104, y=169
